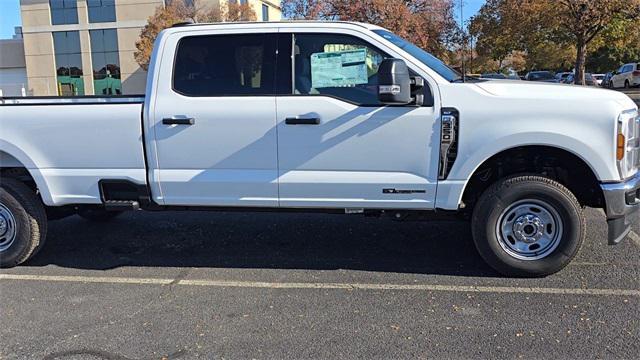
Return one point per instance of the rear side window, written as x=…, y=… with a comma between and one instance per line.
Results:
x=225, y=65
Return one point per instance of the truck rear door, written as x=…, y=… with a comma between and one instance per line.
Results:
x=214, y=120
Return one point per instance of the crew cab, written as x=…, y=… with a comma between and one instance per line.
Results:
x=329, y=117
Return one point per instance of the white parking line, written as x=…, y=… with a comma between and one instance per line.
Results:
x=327, y=286
x=88, y=279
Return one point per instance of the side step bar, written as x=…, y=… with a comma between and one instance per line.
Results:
x=121, y=205
x=123, y=195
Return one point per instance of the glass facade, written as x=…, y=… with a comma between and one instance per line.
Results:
x=105, y=62
x=101, y=11
x=63, y=12
x=66, y=46
x=186, y=2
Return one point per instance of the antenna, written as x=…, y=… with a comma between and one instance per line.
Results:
x=462, y=55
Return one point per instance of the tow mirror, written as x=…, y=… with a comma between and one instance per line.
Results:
x=394, y=82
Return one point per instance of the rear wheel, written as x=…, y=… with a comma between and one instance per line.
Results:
x=23, y=223
x=528, y=226
x=626, y=84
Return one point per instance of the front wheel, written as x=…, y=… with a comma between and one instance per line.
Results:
x=627, y=85
x=528, y=226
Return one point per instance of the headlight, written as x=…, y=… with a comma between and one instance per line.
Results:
x=628, y=143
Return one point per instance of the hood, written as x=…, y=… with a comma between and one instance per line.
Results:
x=550, y=91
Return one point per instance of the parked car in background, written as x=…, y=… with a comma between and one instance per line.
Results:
x=543, y=76
x=606, y=80
x=599, y=78
x=561, y=77
x=588, y=79
x=627, y=76
x=493, y=76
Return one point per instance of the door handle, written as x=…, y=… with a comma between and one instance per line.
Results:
x=178, y=121
x=302, y=121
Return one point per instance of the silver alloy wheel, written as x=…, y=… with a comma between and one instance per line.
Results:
x=529, y=229
x=7, y=228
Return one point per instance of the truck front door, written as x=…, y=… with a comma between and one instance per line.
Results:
x=338, y=147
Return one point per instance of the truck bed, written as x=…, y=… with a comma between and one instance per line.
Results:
x=66, y=100
x=69, y=144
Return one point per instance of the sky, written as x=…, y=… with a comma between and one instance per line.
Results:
x=9, y=17
x=10, y=14
x=471, y=7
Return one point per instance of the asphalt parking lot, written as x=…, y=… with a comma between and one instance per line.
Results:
x=264, y=286
x=233, y=285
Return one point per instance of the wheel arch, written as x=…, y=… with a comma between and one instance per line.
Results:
x=557, y=163
x=15, y=163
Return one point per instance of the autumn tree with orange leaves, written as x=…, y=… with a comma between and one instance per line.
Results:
x=583, y=20
x=429, y=24
x=555, y=34
x=178, y=11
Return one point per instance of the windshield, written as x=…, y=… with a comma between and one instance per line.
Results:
x=431, y=61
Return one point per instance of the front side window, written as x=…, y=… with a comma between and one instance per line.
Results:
x=337, y=65
x=101, y=11
x=66, y=45
x=63, y=12
x=105, y=62
x=225, y=65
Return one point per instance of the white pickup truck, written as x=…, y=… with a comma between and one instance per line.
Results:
x=328, y=117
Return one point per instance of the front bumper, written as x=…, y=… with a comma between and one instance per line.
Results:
x=622, y=201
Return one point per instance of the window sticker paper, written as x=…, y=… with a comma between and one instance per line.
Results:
x=339, y=69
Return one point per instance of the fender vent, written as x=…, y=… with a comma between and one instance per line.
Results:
x=449, y=131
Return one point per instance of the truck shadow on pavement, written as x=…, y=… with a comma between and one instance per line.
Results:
x=263, y=241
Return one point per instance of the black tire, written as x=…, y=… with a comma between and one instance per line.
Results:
x=611, y=85
x=30, y=222
x=495, y=205
x=627, y=85
x=98, y=215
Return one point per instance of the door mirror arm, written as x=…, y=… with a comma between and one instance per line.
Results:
x=417, y=93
